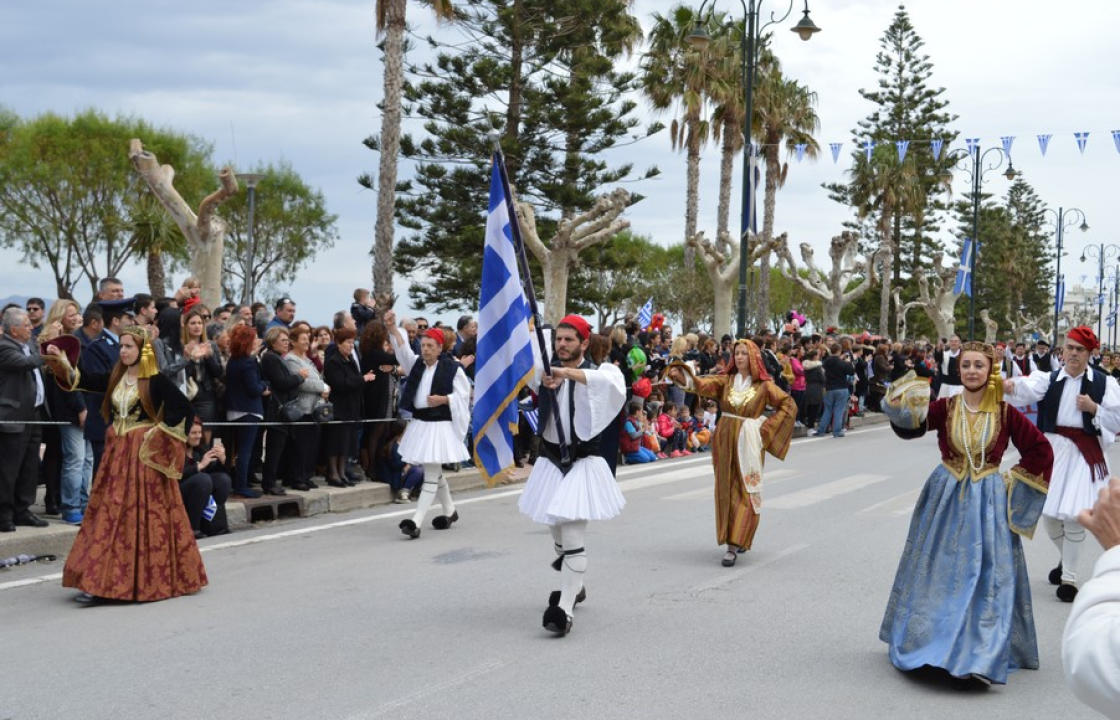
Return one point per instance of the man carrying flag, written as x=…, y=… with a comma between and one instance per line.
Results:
x=571, y=482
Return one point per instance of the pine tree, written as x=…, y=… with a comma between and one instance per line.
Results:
x=907, y=108
x=541, y=73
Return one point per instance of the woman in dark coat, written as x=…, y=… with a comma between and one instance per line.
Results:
x=378, y=402
x=283, y=383
x=346, y=381
x=244, y=392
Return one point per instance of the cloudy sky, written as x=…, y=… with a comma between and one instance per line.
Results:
x=299, y=81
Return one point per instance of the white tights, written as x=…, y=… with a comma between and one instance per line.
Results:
x=1069, y=536
x=434, y=484
x=568, y=536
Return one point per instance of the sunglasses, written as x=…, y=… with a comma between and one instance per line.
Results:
x=421, y=327
x=32, y=308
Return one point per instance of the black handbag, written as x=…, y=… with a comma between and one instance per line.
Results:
x=323, y=411
x=291, y=411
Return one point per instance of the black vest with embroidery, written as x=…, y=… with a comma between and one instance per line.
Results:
x=1042, y=362
x=442, y=384
x=1048, y=406
x=577, y=448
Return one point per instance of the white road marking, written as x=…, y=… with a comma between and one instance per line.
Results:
x=769, y=477
x=898, y=505
x=730, y=576
x=429, y=690
x=820, y=493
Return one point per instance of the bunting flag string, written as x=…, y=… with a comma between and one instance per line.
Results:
x=1116, y=139
x=800, y=149
x=1082, y=140
x=973, y=144
x=868, y=146
x=935, y=146
x=1007, y=140
x=1043, y=142
x=902, y=146
x=835, y=148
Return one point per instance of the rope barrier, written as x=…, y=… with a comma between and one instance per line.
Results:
x=263, y=423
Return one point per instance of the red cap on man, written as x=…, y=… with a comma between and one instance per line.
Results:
x=581, y=326
x=435, y=334
x=1084, y=335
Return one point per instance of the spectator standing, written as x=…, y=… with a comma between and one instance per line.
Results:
x=284, y=313
x=305, y=438
x=379, y=399
x=35, y=307
x=99, y=357
x=881, y=376
x=465, y=329
x=22, y=399
x=245, y=390
x=278, y=438
x=322, y=338
x=814, y=389
x=204, y=368
x=837, y=391
x=343, y=374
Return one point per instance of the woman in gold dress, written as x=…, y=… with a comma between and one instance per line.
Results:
x=742, y=435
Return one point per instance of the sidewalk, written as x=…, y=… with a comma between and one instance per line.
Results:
x=57, y=537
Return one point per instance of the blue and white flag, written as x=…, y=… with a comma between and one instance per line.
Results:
x=645, y=315
x=835, y=148
x=973, y=145
x=868, y=147
x=1111, y=319
x=963, y=283
x=1116, y=139
x=1082, y=139
x=1043, y=143
x=799, y=148
x=1060, y=294
x=1007, y=140
x=935, y=146
x=504, y=360
x=902, y=146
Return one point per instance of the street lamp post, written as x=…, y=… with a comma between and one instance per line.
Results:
x=750, y=38
x=976, y=171
x=1063, y=219
x=248, y=288
x=1101, y=253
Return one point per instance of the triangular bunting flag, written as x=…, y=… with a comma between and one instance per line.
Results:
x=902, y=145
x=973, y=144
x=1082, y=139
x=935, y=146
x=835, y=148
x=1007, y=140
x=867, y=148
x=800, y=149
x=1043, y=142
x=1116, y=139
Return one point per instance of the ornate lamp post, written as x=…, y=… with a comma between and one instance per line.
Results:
x=249, y=286
x=1063, y=220
x=976, y=170
x=1102, y=253
x=750, y=36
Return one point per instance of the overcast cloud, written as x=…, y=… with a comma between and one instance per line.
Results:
x=299, y=81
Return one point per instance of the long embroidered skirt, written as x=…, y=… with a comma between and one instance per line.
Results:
x=961, y=599
x=737, y=462
x=136, y=542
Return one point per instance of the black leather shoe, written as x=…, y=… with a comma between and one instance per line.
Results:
x=1067, y=592
x=311, y=484
x=275, y=490
x=7, y=526
x=51, y=509
x=85, y=598
x=336, y=483
x=1056, y=575
x=554, y=597
x=30, y=519
x=302, y=487
x=442, y=522
x=408, y=527
x=557, y=621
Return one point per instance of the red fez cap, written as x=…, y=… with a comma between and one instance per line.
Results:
x=580, y=325
x=435, y=334
x=1084, y=335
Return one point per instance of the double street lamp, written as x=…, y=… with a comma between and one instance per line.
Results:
x=976, y=170
x=1063, y=220
x=750, y=40
x=249, y=286
x=1102, y=253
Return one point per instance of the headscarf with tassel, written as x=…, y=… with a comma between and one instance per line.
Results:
x=993, y=389
x=147, y=365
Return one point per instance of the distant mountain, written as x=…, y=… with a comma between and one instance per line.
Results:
x=21, y=300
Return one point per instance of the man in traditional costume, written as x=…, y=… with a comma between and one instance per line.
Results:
x=1042, y=358
x=438, y=396
x=949, y=369
x=1079, y=410
x=571, y=482
x=742, y=435
x=961, y=599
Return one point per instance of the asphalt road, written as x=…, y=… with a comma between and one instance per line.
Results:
x=342, y=617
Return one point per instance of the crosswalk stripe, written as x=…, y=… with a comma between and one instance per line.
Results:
x=768, y=478
x=820, y=493
x=898, y=505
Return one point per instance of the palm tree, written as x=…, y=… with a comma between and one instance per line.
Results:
x=675, y=74
x=391, y=22
x=784, y=117
x=884, y=188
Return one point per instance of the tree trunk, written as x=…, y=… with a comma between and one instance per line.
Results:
x=723, y=290
x=556, y=271
x=390, y=147
x=206, y=265
x=691, y=209
x=769, y=198
x=157, y=278
x=886, y=258
x=832, y=314
x=726, y=168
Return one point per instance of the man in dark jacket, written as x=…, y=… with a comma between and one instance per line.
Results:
x=99, y=357
x=837, y=372
x=22, y=399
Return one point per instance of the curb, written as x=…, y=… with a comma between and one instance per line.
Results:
x=58, y=537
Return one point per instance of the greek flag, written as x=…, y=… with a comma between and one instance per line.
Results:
x=1111, y=319
x=963, y=283
x=504, y=361
x=1060, y=294
x=645, y=315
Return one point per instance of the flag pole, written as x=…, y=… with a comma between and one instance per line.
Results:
x=530, y=292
